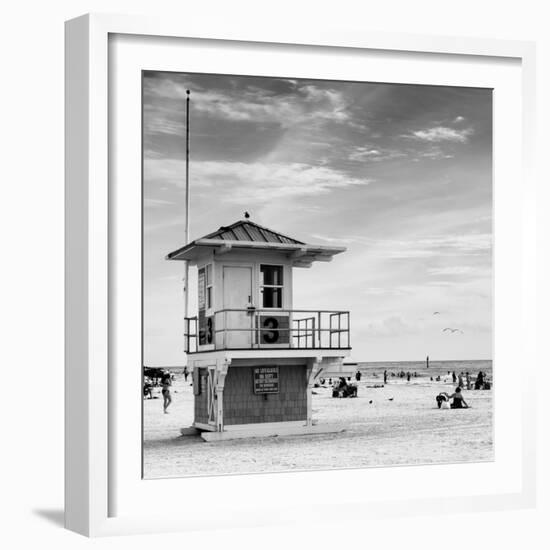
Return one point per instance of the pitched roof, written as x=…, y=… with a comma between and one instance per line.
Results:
x=250, y=235
x=245, y=230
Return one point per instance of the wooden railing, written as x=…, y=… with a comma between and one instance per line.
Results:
x=268, y=328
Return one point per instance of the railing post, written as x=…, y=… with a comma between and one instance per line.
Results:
x=319, y=329
x=349, y=331
x=215, y=335
x=257, y=326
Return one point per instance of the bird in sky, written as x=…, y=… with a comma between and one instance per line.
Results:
x=452, y=330
x=436, y=313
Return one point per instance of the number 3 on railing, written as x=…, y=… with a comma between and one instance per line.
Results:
x=270, y=337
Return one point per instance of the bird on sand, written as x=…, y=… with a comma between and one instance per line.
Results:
x=390, y=399
x=370, y=402
x=452, y=330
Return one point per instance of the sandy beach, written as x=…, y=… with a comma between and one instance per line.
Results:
x=396, y=424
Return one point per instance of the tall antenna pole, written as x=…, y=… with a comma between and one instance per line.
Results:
x=186, y=234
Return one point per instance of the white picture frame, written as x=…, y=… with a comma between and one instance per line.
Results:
x=94, y=439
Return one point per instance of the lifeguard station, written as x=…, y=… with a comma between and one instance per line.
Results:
x=254, y=358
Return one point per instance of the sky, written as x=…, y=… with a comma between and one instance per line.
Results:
x=399, y=174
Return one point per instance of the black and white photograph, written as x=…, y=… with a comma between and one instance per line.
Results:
x=317, y=274
x=275, y=275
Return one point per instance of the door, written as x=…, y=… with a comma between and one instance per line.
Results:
x=237, y=294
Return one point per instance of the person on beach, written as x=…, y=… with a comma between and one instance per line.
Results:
x=460, y=381
x=442, y=400
x=358, y=376
x=454, y=377
x=166, y=383
x=479, y=381
x=457, y=398
x=340, y=387
x=185, y=372
x=385, y=377
x=408, y=376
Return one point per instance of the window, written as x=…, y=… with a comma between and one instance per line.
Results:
x=208, y=286
x=271, y=286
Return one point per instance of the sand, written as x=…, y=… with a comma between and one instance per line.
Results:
x=408, y=429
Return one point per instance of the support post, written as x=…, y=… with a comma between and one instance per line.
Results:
x=313, y=368
x=222, y=366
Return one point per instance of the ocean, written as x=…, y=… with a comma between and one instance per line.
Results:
x=436, y=368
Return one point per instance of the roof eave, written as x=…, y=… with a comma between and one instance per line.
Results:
x=304, y=253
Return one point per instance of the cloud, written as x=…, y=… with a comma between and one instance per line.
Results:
x=246, y=182
x=458, y=270
x=448, y=245
x=391, y=291
x=372, y=154
x=441, y=133
x=177, y=224
x=377, y=154
x=433, y=153
x=332, y=240
x=158, y=123
x=390, y=326
x=306, y=103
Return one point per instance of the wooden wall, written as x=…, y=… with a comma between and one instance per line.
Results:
x=242, y=406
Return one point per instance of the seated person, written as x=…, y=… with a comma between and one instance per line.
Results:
x=458, y=401
x=443, y=397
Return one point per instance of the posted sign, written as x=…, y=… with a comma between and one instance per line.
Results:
x=266, y=380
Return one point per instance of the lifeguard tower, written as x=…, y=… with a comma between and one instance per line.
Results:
x=254, y=358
